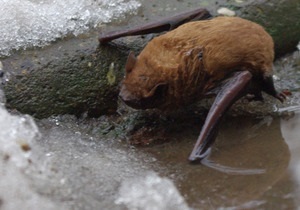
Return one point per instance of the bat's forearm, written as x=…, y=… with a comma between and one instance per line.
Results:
x=159, y=26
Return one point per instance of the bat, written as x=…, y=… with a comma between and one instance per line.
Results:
x=228, y=57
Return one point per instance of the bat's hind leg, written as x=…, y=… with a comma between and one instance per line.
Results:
x=268, y=87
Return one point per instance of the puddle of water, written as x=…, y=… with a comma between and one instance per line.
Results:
x=248, y=145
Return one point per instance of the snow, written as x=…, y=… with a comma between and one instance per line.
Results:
x=16, y=141
x=150, y=192
x=28, y=23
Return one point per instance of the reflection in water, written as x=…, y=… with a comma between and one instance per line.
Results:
x=231, y=170
x=290, y=131
x=252, y=149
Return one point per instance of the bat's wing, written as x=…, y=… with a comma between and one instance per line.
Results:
x=158, y=26
x=232, y=90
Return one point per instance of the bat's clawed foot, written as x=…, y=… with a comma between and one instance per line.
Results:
x=282, y=96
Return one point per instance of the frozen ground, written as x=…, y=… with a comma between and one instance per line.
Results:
x=27, y=23
x=59, y=166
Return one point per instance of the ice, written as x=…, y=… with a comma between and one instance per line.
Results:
x=150, y=192
x=71, y=166
x=17, y=134
x=27, y=23
x=86, y=169
x=62, y=163
x=16, y=190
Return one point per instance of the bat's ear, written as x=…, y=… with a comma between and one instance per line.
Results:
x=131, y=60
x=158, y=91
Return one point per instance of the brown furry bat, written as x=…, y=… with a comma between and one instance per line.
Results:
x=227, y=56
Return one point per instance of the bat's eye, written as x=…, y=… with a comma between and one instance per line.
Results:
x=143, y=78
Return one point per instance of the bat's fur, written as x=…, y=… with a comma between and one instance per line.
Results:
x=183, y=65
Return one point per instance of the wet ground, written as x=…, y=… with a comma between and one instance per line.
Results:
x=254, y=164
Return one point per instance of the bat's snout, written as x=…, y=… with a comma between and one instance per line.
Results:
x=129, y=99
